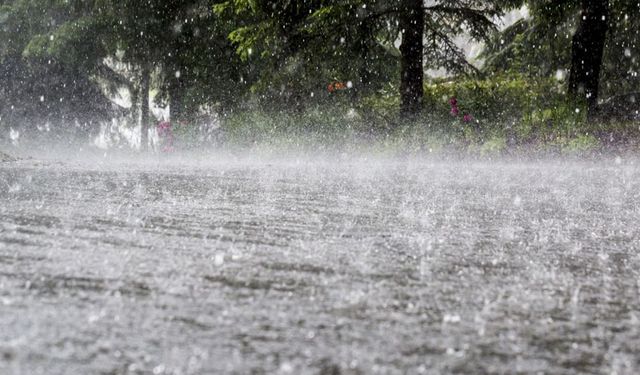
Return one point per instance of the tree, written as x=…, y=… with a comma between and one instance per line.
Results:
x=186, y=42
x=587, y=51
x=144, y=110
x=566, y=36
x=411, y=61
x=38, y=83
x=621, y=62
x=298, y=48
x=57, y=59
x=292, y=37
x=538, y=45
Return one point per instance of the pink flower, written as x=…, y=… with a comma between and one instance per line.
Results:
x=467, y=118
x=453, y=101
x=163, y=128
x=454, y=111
x=166, y=136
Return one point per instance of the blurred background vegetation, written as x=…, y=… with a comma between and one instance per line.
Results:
x=327, y=72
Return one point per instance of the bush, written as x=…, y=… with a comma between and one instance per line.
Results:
x=508, y=111
x=499, y=99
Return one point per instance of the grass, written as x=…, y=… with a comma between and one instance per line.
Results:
x=343, y=127
x=511, y=114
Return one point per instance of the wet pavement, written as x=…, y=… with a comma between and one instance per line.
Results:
x=320, y=267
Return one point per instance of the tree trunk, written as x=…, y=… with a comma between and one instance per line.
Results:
x=135, y=102
x=586, y=52
x=411, y=62
x=364, y=50
x=144, y=108
x=175, y=100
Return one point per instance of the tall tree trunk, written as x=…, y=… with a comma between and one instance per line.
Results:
x=364, y=50
x=135, y=102
x=175, y=99
x=411, y=50
x=586, y=52
x=144, y=108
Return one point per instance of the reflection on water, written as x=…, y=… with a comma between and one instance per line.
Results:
x=321, y=268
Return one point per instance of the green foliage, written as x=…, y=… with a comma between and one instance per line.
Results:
x=530, y=48
x=298, y=48
x=499, y=99
x=540, y=45
x=45, y=70
x=621, y=73
x=582, y=143
x=562, y=117
x=317, y=125
x=73, y=43
x=265, y=67
x=494, y=145
x=58, y=49
x=302, y=46
x=508, y=111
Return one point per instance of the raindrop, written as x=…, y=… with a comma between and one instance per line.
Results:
x=286, y=368
x=517, y=201
x=15, y=188
x=451, y=318
x=218, y=260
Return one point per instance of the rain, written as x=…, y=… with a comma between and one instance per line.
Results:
x=319, y=187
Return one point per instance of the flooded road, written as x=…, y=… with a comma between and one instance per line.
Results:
x=365, y=267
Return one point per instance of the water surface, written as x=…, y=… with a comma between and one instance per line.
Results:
x=319, y=267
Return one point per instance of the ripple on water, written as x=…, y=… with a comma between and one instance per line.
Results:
x=340, y=269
